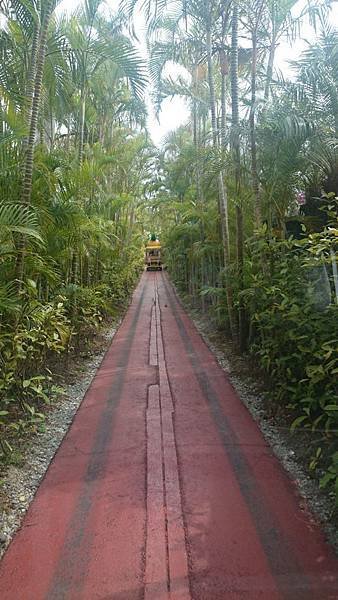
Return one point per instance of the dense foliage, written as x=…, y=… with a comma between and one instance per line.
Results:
x=247, y=194
x=244, y=195
x=73, y=165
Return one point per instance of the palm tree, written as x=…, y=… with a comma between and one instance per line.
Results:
x=235, y=142
x=35, y=89
x=317, y=81
x=31, y=108
x=95, y=42
x=204, y=18
x=256, y=14
x=280, y=24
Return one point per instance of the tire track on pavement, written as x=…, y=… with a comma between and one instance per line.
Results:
x=73, y=557
x=297, y=584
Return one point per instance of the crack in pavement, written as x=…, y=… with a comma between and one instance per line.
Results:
x=166, y=572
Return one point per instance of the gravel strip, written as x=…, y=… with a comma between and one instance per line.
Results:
x=313, y=501
x=21, y=483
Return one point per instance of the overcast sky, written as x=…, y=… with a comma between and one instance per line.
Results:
x=175, y=112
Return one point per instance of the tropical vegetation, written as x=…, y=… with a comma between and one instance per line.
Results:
x=74, y=159
x=247, y=192
x=244, y=195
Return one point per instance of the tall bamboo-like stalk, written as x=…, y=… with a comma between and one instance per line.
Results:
x=235, y=143
x=223, y=200
x=253, y=144
x=28, y=104
x=281, y=18
x=222, y=192
x=223, y=97
x=252, y=119
x=224, y=71
x=36, y=102
x=272, y=51
x=32, y=110
x=199, y=192
x=82, y=124
x=194, y=107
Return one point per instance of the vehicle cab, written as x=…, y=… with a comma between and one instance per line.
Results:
x=153, y=256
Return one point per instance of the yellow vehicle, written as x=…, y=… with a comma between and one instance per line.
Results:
x=153, y=255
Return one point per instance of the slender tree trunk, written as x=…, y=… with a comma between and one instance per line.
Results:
x=67, y=141
x=234, y=94
x=40, y=62
x=222, y=195
x=30, y=82
x=74, y=268
x=82, y=124
x=271, y=60
x=88, y=272
x=211, y=89
x=32, y=113
x=52, y=129
x=252, y=118
x=223, y=200
x=203, y=281
x=224, y=72
x=194, y=121
x=223, y=109
x=269, y=71
x=41, y=133
x=237, y=160
x=81, y=260
x=252, y=124
x=84, y=87
x=199, y=191
x=27, y=114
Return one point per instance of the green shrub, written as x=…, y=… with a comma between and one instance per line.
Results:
x=85, y=306
x=25, y=382
x=293, y=316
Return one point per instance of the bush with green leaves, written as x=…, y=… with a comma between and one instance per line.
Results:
x=41, y=332
x=293, y=316
x=85, y=307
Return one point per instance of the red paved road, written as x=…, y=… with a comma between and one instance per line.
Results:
x=164, y=487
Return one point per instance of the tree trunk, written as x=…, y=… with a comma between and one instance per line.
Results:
x=272, y=51
x=74, y=268
x=30, y=82
x=32, y=113
x=82, y=125
x=203, y=281
x=211, y=89
x=224, y=71
x=51, y=129
x=222, y=195
x=254, y=170
x=194, y=121
x=40, y=62
x=223, y=200
x=223, y=109
x=237, y=160
x=252, y=119
x=269, y=71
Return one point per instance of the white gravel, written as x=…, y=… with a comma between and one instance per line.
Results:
x=20, y=483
